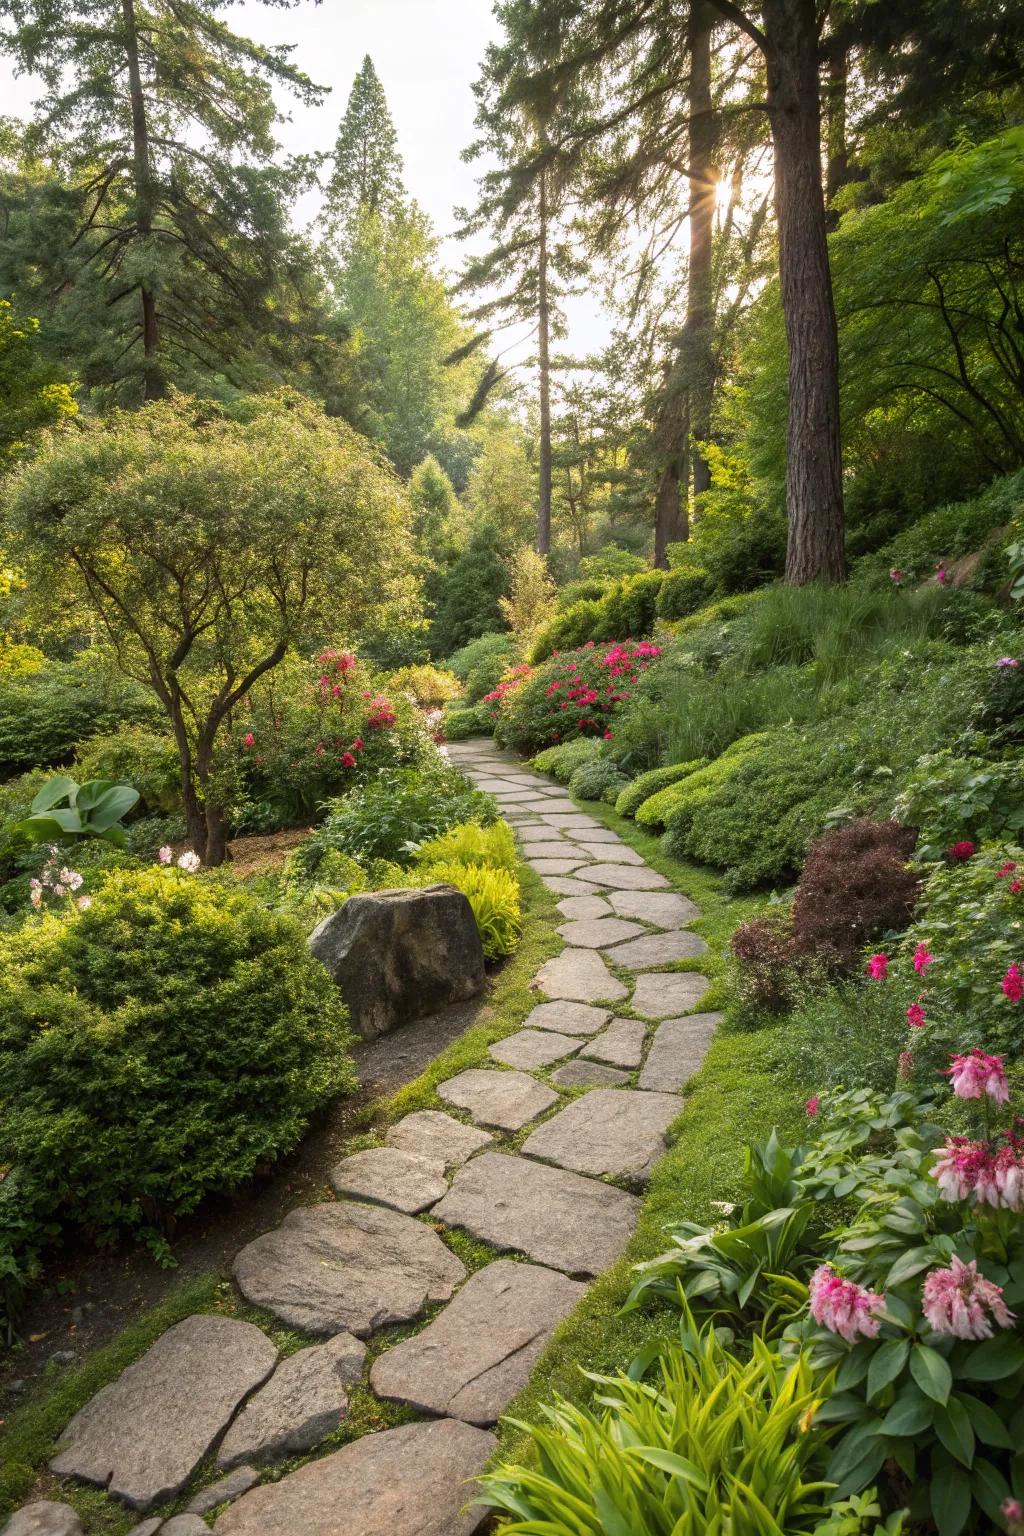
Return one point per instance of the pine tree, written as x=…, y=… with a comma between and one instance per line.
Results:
x=367, y=175
x=155, y=173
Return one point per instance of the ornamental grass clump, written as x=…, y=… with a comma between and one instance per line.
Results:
x=169, y=1040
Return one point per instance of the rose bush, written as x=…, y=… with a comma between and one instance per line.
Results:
x=575, y=693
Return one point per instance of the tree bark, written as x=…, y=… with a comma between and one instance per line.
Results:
x=837, y=161
x=544, y=366
x=152, y=376
x=685, y=415
x=814, y=488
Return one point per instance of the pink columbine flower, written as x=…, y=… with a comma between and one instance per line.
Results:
x=978, y=1075
x=813, y=1104
x=923, y=958
x=963, y=1303
x=962, y=851
x=189, y=861
x=916, y=1016
x=878, y=966
x=844, y=1307
x=1013, y=983
x=166, y=854
x=1007, y=661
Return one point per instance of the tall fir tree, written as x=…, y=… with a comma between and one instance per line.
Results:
x=149, y=198
x=367, y=173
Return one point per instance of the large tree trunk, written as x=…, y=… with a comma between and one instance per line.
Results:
x=837, y=161
x=685, y=416
x=814, y=488
x=152, y=376
x=544, y=366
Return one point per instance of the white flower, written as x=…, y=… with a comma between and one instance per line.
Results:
x=165, y=855
x=189, y=861
x=36, y=897
x=72, y=879
x=84, y=903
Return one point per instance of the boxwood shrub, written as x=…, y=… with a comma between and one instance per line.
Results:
x=167, y=1042
x=630, y=799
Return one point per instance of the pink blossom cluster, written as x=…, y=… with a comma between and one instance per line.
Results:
x=381, y=716
x=1013, y=983
x=843, y=1307
x=994, y=1175
x=978, y=1076
x=513, y=679
x=960, y=852
x=57, y=881
x=338, y=663
x=961, y=1302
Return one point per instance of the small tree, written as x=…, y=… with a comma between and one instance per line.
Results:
x=209, y=545
x=532, y=596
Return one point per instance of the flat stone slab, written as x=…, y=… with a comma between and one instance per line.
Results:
x=406, y=1181
x=664, y=908
x=147, y=1528
x=599, y=932
x=556, y=1218
x=621, y=1045
x=596, y=834
x=226, y=1489
x=554, y=850
x=555, y=866
x=134, y=1437
x=473, y=1359
x=611, y=1131
x=431, y=1133
x=343, y=1266
x=614, y=855
x=588, y=1074
x=626, y=877
x=302, y=1403
x=185, y=1525
x=677, y=1051
x=505, y=1100
x=658, y=949
x=411, y=1481
x=573, y=818
x=529, y=1048
x=564, y=885
x=663, y=994
x=576, y=908
x=582, y=976
x=568, y=1018
x=44, y=1518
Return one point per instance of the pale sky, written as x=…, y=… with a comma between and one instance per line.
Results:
x=427, y=54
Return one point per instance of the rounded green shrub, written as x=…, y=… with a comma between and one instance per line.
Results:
x=631, y=798
x=458, y=724
x=486, y=676
x=561, y=762
x=593, y=778
x=165, y=1043
x=44, y=715
x=627, y=611
x=462, y=661
x=134, y=755
x=673, y=807
x=682, y=593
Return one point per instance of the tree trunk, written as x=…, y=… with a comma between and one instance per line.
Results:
x=152, y=377
x=837, y=163
x=685, y=415
x=814, y=488
x=544, y=365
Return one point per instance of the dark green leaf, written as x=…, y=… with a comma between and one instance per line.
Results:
x=886, y=1364
x=931, y=1372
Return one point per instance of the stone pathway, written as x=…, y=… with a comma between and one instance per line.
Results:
x=542, y=1157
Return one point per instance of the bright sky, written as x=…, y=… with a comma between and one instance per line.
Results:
x=427, y=54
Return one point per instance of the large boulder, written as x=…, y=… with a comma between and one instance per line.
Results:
x=397, y=955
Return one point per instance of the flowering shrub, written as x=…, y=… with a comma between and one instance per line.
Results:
x=573, y=694
x=956, y=802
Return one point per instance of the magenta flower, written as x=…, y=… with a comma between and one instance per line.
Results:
x=942, y=576
x=978, y=1075
x=1006, y=869
x=896, y=575
x=922, y=959
x=963, y=1303
x=916, y=1016
x=248, y=740
x=813, y=1104
x=962, y=851
x=995, y=1177
x=844, y=1307
x=1007, y=661
x=1012, y=1511
x=878, y=966
x=1013, y=983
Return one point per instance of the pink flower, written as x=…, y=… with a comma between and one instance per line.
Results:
x=896, y=575
x=962, y=851
x=915, y=1016
x=813, y=1104
x=357, y=745
x=1012, y=1511
x=922, y=959
x=963, y=1303
x=905, y=1065
x=878, y=966
x=994, y=1177
x=942, y=576
x=608, y=735
x=974, y=1076
x=84, y=903
x=1013, y=983
x=347, y=760
x=1006, y=869
x=166, y=854
x=843, y=1307
x=1016, y=886
x=35, y=895
x=248, y=740
x=1007, y=661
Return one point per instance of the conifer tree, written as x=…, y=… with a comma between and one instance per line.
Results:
x=367, y=175
x=168, y=209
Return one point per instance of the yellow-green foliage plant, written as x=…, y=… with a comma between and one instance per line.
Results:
x=493, y=893
x=493, y=847
x=684, y=796
x=711, y=1446
x=630, y=799
x=430, y=686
